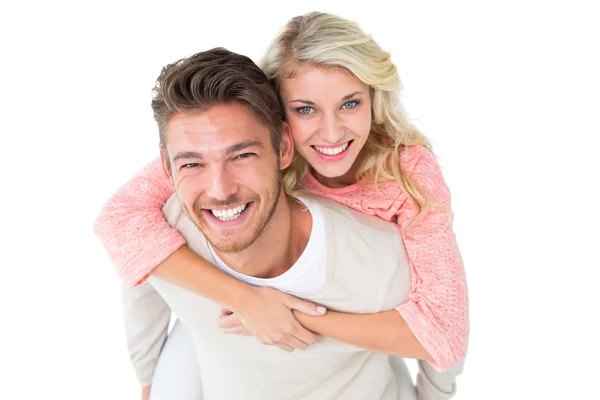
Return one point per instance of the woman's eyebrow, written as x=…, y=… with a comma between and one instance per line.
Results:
x=347, y=97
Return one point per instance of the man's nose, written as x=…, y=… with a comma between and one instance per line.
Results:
x=332, y=129
x=221, y=185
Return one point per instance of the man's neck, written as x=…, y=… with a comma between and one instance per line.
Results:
x=280, y=244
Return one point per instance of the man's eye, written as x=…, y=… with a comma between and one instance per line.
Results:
x=304, y=110
x=190, y=165
x=245, y=155
x=350, y=104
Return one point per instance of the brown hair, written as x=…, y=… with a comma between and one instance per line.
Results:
x=211, y=78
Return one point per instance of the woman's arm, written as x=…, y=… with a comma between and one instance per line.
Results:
x=437, y=310
x=132, y=228
x=140, y=242
x=264, y=311
x=383, y=332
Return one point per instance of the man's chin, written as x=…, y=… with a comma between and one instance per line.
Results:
x=228, y=247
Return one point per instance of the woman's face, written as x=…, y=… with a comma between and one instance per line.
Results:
x=329, y=112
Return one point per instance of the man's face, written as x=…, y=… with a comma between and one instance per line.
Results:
x=226, y=172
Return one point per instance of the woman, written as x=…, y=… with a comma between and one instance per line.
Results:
x=339, y=95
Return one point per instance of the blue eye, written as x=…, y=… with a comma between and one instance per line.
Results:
x=304, y=110
x=350, y=104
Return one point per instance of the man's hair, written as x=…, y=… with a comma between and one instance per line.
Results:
x=215, y=77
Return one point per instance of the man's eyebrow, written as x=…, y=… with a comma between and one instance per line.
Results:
x=242, y=145
x=310, y=103
x=187, y=154
x=231, y=149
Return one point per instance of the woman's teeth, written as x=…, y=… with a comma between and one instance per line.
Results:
x=328, y=151
x=229, y=214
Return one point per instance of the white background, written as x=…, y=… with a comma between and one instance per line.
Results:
x=507, y=91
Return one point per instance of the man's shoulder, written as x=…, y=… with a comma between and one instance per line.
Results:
x=172, y=210
x=341, y=216
x=179, y=220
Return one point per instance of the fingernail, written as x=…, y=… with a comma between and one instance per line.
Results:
x=321, y=310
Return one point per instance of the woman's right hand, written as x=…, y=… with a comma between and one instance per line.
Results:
x=266, y=313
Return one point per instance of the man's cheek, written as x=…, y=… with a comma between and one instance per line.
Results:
x=185, y=193
x=254, y=177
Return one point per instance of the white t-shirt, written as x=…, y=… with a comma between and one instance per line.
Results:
x=308, y=274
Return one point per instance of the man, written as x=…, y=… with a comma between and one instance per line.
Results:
x=223, y=145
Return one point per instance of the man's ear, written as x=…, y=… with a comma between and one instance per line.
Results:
x=286, y=147
x=166, y=165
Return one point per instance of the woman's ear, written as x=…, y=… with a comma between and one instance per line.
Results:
x=286, y=147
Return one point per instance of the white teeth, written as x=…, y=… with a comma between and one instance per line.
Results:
x=332, y=151
x=229, y=214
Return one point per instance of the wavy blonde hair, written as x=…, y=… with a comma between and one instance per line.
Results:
x=327, y=40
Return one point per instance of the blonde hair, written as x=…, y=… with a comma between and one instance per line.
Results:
x=327, y=40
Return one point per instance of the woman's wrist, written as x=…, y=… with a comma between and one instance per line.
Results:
x=238, y=295
x=311, y=322
x=187, y=269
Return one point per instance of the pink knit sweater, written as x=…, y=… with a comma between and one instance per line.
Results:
x=137, y=238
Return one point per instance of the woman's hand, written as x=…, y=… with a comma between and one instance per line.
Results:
x=267, y=314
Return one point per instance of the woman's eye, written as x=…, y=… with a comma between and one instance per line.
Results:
x=304, y=110
x=350, y=104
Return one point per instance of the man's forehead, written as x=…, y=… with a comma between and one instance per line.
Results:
x=222, y=117
x=215, y=129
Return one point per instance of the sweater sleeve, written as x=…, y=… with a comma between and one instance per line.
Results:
x=437, y=307
x=147, y=318
x=132, y=228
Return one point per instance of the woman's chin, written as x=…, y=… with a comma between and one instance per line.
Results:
x=335, y=176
